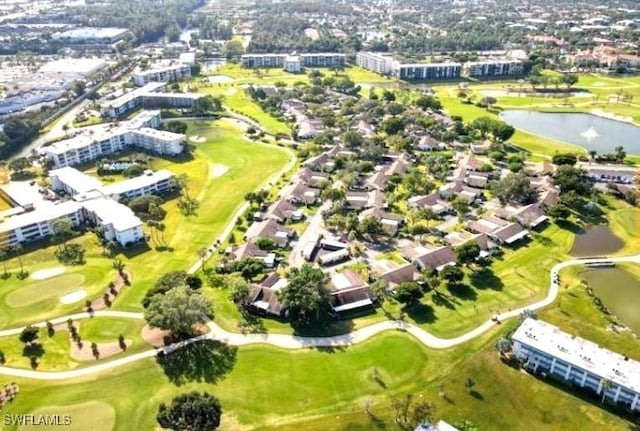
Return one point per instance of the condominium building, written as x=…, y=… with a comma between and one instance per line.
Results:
x=152, y=95
x=492, y=68
x=267, y=61
x=104, y=140
x=375, y=62
x=92, y=203
x=427, y=71
x=162, y=72
x=582, y=363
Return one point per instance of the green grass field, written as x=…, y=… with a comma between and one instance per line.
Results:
x=43, y=290
x=91, y=415
x=249, y=164
x=273, y=389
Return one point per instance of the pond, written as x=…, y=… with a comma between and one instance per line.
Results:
x=597, y=240
x=209, y=64
x=588, y=131
x=619, y=290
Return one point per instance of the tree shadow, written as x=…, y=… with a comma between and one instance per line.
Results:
x=441, y=300
x=463, y=291
x=570, y=226
x=204, y=361
x=544, y=240
x=252, y=324
x=323, y=327
x=477, y=395
x=377, y=422
x=485, y=278
x=420, y=313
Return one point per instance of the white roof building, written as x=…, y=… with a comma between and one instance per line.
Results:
x=582, y=362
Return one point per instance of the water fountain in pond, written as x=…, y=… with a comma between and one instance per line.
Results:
x=590, y=134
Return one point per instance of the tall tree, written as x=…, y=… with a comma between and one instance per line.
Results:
x=467, y=253
x=62, y=230
x=178, y=310
x=193, y=411
x=306, y=294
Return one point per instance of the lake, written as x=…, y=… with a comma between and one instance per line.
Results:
x=619, y=290
x=595, y=241
x=588, y=131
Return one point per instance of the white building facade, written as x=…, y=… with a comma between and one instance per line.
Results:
x=545, y=348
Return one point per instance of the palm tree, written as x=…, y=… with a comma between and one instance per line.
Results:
x=152, y=227
x=183, y=182
x=17, y=250
x=62, y=230
x=605, y=385
x=4, y=255
x=503, y=346
x=161, y=227
x=202, y=252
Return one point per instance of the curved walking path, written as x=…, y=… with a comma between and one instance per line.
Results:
x=291, y=341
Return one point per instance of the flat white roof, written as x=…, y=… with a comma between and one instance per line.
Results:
x=579, y=352
x=136, y=183
x=111, y=212
x=79, y=181
x=158, y=134
x=50, y=212
x=82, y=66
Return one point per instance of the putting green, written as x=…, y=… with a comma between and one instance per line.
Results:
x=42, y=290
x=89, y=416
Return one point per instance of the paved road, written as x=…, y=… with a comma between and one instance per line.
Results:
x=313, y=229
x=56, y=132
x=294, y=342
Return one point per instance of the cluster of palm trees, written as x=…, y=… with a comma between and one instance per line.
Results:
x=5, y=253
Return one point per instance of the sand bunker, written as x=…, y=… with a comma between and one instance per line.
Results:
x=220, y=79
x=43, y=274
x=196, y=138
x=104, y=349
x=218, y=170
x=75, y=296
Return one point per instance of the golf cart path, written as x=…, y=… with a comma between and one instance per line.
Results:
x=291, y=341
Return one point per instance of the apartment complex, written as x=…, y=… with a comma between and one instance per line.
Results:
x=103, y=140
x=545, y=348
x=428, y=71
x=162, y=72
x=151, y=95
x=378, y=63
x=267, y=61
x=91, y=204
x=384, y=64
x=492, y=68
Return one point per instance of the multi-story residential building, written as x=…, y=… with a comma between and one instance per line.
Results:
x=98, y=143
x=427, y=71
x=492, y=68
x=545, y=348
x=375, y=62
x=92, y=203
x=35, y=224
x=150, y=183
x=115, y=221
x=306, y=60
x=152, y=95
x=162, y=72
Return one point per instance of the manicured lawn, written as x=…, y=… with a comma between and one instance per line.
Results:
x=250, y=165
x=273, y=389
x=28, y=301
x=91, y=415
x=54, y=287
